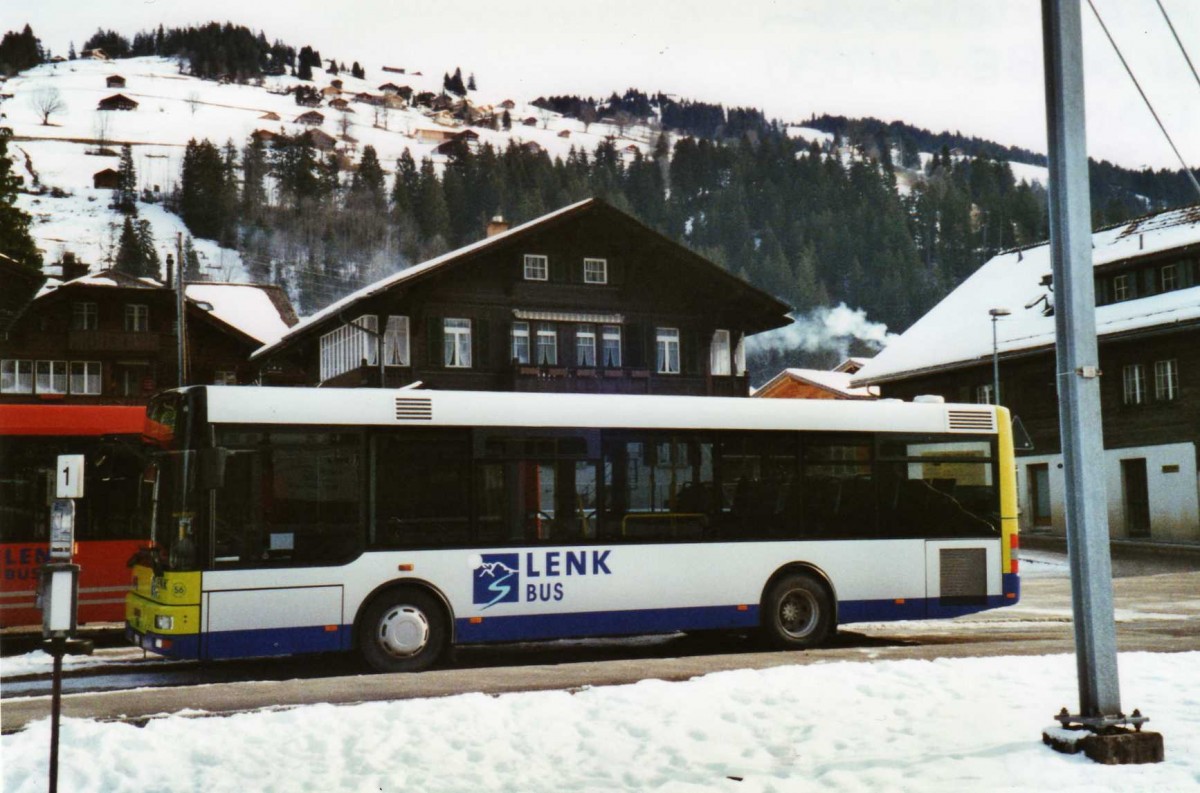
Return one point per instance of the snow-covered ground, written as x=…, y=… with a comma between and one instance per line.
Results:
x=948, y=725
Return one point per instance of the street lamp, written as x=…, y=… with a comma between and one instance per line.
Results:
x=995, y=314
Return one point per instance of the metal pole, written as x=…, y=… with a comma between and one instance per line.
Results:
x=995, y=364
x=1078, y=367
x=179, y=307
x=57, y=648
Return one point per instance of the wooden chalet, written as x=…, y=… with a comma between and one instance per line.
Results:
x=584, y=299
x=117, y=102
x=311, y=118
x=341, y=104
x=263, y=135
x=108, y=179
x=321, y=140
x=115, y=81
x=564, y=133
x=508, y=104
x=270, y=115
x=1147, y=287
x=109, y=338
x=428, y=135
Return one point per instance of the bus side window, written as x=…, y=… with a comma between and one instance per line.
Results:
x=421, y=482
x=839, y=487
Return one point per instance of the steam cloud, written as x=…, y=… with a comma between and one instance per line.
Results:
x=824, y=328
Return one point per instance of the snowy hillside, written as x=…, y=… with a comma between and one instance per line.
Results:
x=58, y=159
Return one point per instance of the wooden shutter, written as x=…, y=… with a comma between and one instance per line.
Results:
x=433, y=339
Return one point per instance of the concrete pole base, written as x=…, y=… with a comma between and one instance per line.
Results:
x=1111, y=746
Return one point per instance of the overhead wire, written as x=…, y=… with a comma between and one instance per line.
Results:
x=1178, y=41
x=1146, y=99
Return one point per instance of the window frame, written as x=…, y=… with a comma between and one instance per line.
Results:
x=536, y=267
x=585, y=333
x=1166, y=380
x=44, y=383
x=1121, y=288
x=16, y=369
x=91, y=382
x=1171, y=283
x=983, y=394
x=137, y=318
x=1133, y=380
x=85, y=315
x=398, y=330
x=519, y=332
x=454, y=354
x=546, y=330
x=720, y=360
x=610, y=333
x=666, y=339
x=589, y=276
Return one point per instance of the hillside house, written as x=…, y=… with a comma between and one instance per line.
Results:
x=115, y=81
x=584, y=299
x=530, y=121
x=424, y=99
x=321, y=140
x=369, y=99
x=109, y=338
x=108, y=179
x=428, y=135
x=270, y=115
x=508, y=104
x=1147, y=287
x=341, y=104
x=263, y=135
x=117, y=102
x=564, y=133
x=467, y=138
x=95, y=54
x=311, y=118
x=391, y=89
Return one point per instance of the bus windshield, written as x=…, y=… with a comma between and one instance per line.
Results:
x=169, y=508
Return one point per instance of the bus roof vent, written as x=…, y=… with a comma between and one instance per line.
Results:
x=414, y=409
x=962, y=420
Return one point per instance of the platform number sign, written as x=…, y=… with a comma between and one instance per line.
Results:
x=70, y=476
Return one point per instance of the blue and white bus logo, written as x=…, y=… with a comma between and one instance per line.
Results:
x=497, y=579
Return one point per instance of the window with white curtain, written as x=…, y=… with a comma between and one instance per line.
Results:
x=547, y=345
x=520, y=342
x=456, y=336
x=1166, y=380
x=85, y=377
x=611, y=349
x=585, y=345
x=395, y=342
x=667, y=345
x=16, y=377
x=720, y=361
x=50, y=377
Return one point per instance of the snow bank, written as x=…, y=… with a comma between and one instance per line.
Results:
x=952, y=725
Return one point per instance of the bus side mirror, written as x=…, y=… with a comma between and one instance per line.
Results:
x=212, y=468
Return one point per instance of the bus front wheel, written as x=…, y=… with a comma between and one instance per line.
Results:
x=798, y=613
x=403, y=631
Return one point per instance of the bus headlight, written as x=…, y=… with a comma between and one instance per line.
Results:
x=163, y=622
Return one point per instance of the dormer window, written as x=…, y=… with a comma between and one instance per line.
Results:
x=537, y=268
x=1121, y=288
x=595, y=271
x=1168, y=277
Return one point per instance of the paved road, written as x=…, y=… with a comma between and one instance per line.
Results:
x=1157, y=613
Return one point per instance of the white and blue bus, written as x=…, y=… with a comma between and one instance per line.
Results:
x=397, y=523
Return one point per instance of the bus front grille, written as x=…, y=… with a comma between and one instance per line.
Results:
x=414, y=409
x=963, y=576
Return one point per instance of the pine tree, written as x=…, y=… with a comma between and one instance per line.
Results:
x=15, y=240
x=129, y=252
x=254, y=172
x=367, y=184
x=149, y=265
x=471, y=82
x=191, y=260
x=125, y=196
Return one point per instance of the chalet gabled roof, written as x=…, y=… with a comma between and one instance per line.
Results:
x=836, y=383
x=437, y=265
x=957, y=332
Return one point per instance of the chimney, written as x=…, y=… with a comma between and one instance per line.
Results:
x=497, y=225
x=71, y=267
x=170, y=282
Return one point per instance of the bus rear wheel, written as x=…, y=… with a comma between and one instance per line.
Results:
x=797, y=613
x=403, y=631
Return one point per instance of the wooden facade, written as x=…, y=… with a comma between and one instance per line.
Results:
x=536, y=308
x=108, y=338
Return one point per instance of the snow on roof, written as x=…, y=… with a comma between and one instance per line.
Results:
x=247, y=307
x=958, y=329
x=384, y=284
x=838, y=382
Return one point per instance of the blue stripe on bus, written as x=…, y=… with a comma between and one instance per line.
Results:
x=603, y=623
x=186, y=646
x=276, y=641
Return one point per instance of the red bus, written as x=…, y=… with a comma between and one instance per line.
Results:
x=31, y=438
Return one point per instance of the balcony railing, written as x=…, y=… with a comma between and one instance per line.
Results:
x=115, y=341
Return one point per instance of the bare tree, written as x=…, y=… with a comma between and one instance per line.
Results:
x=588, y=115
x=100, y=126
x=344, y=125
x=193, y=100
x=46, y=101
